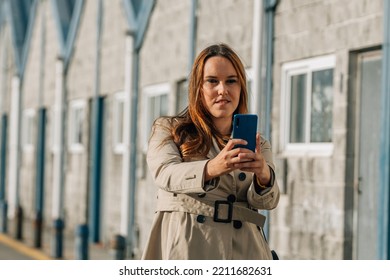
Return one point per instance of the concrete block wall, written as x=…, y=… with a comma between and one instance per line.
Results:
x=229, y=22
x=165, y=59
x=79, y=83
x=7, y=66
x=112, y=81
x=311, y=219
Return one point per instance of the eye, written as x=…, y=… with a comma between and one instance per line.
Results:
x=212, y=81
x=231, y=81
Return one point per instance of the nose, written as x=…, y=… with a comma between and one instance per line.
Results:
x=222, y=88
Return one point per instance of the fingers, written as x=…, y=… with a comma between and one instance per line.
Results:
x=258, y=142
x=233, y=142
x=250, y=161
x=242, y=158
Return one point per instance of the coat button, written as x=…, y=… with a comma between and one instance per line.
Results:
x=242, y=176
x=231, y=198
x=201, y=195
x=237, y=224
x=201, y=219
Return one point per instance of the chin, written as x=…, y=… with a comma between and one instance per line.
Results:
x=219, y=115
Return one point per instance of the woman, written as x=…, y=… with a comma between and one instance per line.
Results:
x=209, y=190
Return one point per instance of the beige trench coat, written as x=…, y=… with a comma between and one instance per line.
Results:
x=184, y=226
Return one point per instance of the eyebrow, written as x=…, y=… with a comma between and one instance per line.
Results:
x=229, y=77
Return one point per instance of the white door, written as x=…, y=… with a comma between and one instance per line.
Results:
x=368, y=137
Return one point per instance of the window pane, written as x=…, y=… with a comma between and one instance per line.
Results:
x=163, y=105
x=182, y=96
x=158, y=107
x=120, y=117
x=297, y=109
x=321, y=106
x=79, y=118
x=30, y=130
x=152, y=111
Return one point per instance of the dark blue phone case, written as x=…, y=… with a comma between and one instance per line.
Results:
x=245, y=127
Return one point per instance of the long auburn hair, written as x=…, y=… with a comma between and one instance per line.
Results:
x=193, y=130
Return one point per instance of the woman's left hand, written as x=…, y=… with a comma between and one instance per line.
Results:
x=255, y=163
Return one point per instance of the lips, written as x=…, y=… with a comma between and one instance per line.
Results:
x=222, y=101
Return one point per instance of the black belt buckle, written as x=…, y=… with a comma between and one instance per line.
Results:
x=216, y=211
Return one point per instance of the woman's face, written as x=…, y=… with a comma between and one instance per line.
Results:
x=221, y=88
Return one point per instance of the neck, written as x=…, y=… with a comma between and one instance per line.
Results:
x=224, y=126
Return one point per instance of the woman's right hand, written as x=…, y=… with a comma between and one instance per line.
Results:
x=224, y=162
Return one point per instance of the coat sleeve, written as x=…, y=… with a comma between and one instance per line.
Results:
x=167, y=167
x=269, y=198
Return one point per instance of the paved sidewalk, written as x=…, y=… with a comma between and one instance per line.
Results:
x=24, y=249
x=11, y=249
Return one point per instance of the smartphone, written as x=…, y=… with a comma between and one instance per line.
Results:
x=245, y=127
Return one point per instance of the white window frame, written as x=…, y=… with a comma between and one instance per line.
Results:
x=29, y=118
x=53, y=145
x=118, y=122
x=150, y=92
x=295, y=68
x=74, y=146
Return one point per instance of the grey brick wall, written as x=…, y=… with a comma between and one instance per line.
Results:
x=313, y=215
x=165, y=58
x=310, y=221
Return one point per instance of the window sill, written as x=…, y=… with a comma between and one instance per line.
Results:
x=308, y=150
x=76, y=149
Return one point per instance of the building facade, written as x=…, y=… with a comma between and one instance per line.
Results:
x=81, y=83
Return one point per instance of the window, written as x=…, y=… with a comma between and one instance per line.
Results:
x=76, y=125
x=156, y=105
x=118, y=118
x=182, y=95
x=28, y=129
x=307, y=105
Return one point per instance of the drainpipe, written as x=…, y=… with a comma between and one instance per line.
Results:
x=40, y=148
x=3, y=139
x=95, y=144
x=384, y=188
x=15, y=122
x=257, y=59
x=40, y=178
x=4, y=70
x=134, y=39
x=3, y=153
x=15, y=210
x=127, y=193
x=129, y=174
x=193, y=28
x=131, y=232
x=59, y=116
x=270, y=7
x=58, y=158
